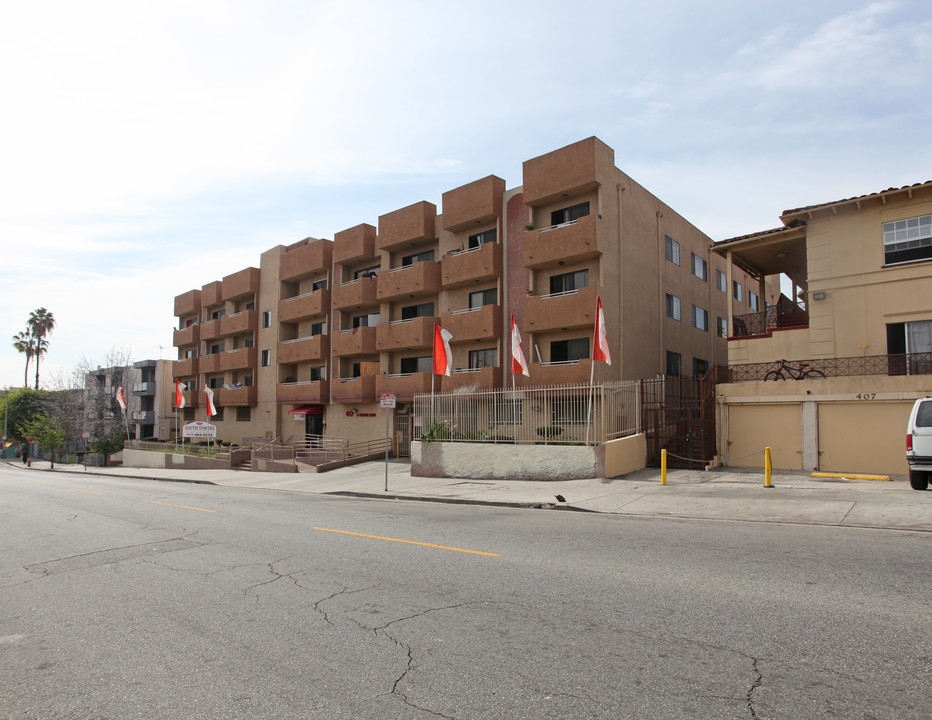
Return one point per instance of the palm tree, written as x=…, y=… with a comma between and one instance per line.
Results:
x=26, y=344
x=41, y=323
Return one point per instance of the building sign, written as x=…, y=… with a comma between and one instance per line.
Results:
x=199, y=430
x=387, y=400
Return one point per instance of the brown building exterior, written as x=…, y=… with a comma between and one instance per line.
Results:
x=860, y=326
x=307, y=342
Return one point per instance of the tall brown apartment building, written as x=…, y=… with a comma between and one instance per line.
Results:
x=308, y=341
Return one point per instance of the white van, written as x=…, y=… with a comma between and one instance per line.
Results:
x=919, y=444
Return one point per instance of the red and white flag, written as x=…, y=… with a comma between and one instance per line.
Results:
x=443, y=356
x=209, y=395
x=121, y=399
x=179, y=395
x=600, y=349
x=518, y=361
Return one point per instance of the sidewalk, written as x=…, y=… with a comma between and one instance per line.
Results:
x=721, y=494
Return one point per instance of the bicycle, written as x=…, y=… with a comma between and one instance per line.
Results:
x=789, y=372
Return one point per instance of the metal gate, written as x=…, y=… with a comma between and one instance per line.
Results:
x=402, y=438
x=679, y=416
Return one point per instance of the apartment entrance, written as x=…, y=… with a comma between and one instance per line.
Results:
x=402, y=436
x=679, y=416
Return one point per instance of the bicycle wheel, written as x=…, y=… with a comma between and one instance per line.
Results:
x=813, y=373
x=774, y=375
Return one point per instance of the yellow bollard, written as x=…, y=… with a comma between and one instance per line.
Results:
x=768, y=468
x=663, y=467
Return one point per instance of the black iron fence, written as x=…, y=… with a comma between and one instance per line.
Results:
x=904, y=364
x=785, y=314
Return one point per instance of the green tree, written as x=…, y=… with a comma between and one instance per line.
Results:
x=107, y=446
x=41, y=323
x=46, y=433
x=24, y=405
x=25, y=343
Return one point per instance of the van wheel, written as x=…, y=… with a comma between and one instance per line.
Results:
x=918, y=479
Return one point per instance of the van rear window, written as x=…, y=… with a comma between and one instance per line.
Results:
x=924, y=416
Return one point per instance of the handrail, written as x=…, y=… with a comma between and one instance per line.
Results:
x=554, y=227
x=559, y=294
x=467, y=310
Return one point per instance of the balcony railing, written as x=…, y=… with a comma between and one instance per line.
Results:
x=903, y=364
x=785, y=314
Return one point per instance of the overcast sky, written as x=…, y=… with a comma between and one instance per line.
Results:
x=147, y=148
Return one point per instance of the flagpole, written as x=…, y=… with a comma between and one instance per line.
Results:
x=589, y=410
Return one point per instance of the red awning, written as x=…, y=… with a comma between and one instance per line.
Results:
x=307, y=410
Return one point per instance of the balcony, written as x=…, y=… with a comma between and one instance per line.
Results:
x=414, y=333
x=304, y=259
x=242, y=284
x=230, y=396
x=354, y=390
x=296, y=393
x=304, y=306
x=304, y=349
x=186, y=336
x=212, y=294
x=144, y=389
x=571, y=372
x=210, y=330
x=405, y=385
x=246, y=321
x=421, y=278
x=571, y=170
x=575, y=308
x=483, y=378
x=143, y=417
x=472, y=266
x=355, y=244
x=210, y=363
x=482, y=323
x=570, y=242
x=188, y=303
x=408, y=225
x=476, y=202
x=784, y=315
x=357, y=293
x=239, y=359
x=185, y=368
x=358, y=341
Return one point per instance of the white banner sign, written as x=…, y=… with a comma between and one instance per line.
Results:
x=199, y=430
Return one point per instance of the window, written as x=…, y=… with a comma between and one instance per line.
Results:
x=366, y=272
x=188, y=414
x=672, y=249
x=190, y=353
x=319, y=285
x=318, y=373
x=567, y=282
x=247, y=380
x=249, y=342
x=739, y=291
x=217, y=348
x=267, y=318
x=907, y=240
x=700, y=267
x=369, y=320
x=753, y=300
x=700, y=318
x=483, y=297
x=215, y=382
x=721, y=281
x=674, y=364
x=569, y=410
x=243, y=414
x=217, y=314
x=569, y=350
x=906, y=339
x=479, y=239
x=700, y=367
x=673, y=307
x=413, y=311
x=217, y=416
x=424, y=256
x=417, y=364
x=574, y=212
x=722, y=324
x=266, y=358
x=483, y=358
x=250, y=306
x=318, y=328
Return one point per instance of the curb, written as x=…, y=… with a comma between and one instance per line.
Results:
x=462, y=501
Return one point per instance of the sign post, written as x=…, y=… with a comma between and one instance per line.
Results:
x=387, y=401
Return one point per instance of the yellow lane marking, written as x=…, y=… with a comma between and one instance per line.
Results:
x=33, y=482
x=92, y=492
x=186, y=507
x=409, y=542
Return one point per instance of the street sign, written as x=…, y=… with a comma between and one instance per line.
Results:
x=86, y=435
x=387, y=400
x=199, y=430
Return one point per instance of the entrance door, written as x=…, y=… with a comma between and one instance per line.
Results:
x=313, y=429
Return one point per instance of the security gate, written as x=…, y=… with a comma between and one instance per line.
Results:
x=678, y=415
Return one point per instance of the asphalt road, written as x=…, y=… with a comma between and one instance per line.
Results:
x=139, y=599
